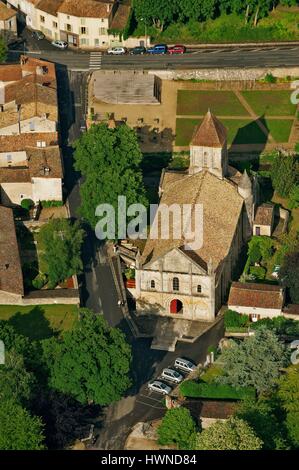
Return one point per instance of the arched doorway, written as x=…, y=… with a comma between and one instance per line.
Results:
x=176, y=306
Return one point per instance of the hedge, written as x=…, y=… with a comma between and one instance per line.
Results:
x=192, y=389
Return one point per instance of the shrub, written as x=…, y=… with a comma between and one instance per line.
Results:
x=258, y=272
x=269, y=78
x=179, y=163
x=294, y=197
x=193, y=389
x=27, y=204
x=51, y=204
x=130, y=273
x=235, y=319
x=40, y=281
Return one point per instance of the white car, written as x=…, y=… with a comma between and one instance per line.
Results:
x=160, y=387
x=172, y=375
x=60, y=44
x=117, y=51
x=184, y=364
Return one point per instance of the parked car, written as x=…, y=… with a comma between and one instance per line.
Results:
x=38, y=35
x=184, y=364
x=117, y=51
x=158, y=49
x=160, y=387
x=172, y=375
x=138, y=50
x=177, y=49
x=59, y=44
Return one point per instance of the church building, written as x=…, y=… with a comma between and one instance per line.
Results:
x=172, y=280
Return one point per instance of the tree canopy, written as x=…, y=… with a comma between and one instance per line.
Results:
x=289, y=274
x=90, y=363
x=288, y=392
x=61, y=242
x=109, y=160
x=15, y=381
x=177, y=427
x=284, y=173
x=255, y=362
x=19, y=430
x=233, y=434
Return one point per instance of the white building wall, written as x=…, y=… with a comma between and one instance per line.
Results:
x=12, y=158
x=46, y=189
x=14, y=193
x=263, y=312
x=96, y=29
x=28, y=9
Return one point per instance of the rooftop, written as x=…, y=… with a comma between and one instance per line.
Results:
x=210, y=133
x=256, y=295
x=6, y=13
x=88, y=8
x=11, y=277
x=264, y=214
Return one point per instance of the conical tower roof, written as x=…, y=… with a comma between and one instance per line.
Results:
x=210, y=133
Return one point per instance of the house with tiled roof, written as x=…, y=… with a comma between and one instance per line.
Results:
x=256, y=300
x=174, y=276
x=26, y=11
x=8, y=19
x=11, y=277
x=264, y=220
x=30, y=158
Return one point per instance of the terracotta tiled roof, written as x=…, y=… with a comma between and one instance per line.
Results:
x=6, y=13
x=10, y=73
x=41, y=163
x=264, y=214
x=11, y=278
x=17, y=143
x=222, y=208
x=256, y=295
x=49, y=6
x=87, y=8
x=210, y=133
x=217, y=409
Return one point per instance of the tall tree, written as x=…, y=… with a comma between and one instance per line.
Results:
x=159, y=13
x=284, y=173
x=15, y=381
x=18, y=429
x=61, y=241
x=233, y=434
x=288, y=392
x=255, y=362
x=109, y=160
x=91, y=363
x=177, y=427
x=289, y=274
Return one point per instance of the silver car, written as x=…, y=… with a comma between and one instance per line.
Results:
x=160, y=387
x=172, y=375
x=117, y=51
x=184, y=364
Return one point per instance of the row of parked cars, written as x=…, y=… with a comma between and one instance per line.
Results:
x=173, y=375
x=140, y=50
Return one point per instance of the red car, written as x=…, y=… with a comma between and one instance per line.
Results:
x=177, y=50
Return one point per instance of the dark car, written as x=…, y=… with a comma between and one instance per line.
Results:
x=38, y=35
x=158, y=49
x=178, y=49
x=138, y=50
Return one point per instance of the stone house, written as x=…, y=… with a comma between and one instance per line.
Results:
x=26, y=11
x=264, y=220
x=30, y=159
x=171, y=278
x=256, y=300
x=8, y=20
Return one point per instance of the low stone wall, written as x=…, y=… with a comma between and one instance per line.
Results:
x=42, y=297
x=226, y=74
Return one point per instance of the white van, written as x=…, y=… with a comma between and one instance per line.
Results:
x=172, y=375
x=184, y=364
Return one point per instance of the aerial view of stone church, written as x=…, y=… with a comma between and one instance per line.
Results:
x=194, y=284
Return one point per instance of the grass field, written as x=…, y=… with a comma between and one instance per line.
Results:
x=197, y=102
x=280, y=129
x=39, y=321
x=270, y=103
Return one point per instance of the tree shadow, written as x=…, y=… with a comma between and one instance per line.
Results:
x=252, y=134
x=34, y=325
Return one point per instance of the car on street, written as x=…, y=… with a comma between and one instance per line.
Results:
x=38, y=35
x=158, y=49
x=117, y=51
x=138, y=50
x=172, y=375
x=160, y=387
x=178, y=49
x=59, y=44
x=184, y=364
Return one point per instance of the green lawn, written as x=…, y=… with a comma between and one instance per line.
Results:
x=270, y=103
x=197, y=102
x=39, y=321
x=280, y=130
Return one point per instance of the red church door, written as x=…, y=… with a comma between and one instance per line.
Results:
x=176, y=306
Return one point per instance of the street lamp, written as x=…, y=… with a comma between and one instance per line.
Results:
x=145, y=30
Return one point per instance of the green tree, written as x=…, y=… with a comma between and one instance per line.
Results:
x=109, y=160
x=15, y=381
x=177, y=427
x=288, y=392
x=18, y=429
x=159, y=13
x=284, y=174
x=3, y=50
x=91, y=362
x=255, y=362
x=61, y=241
x=294, y=197
x=289, y=274
x=233, y=434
